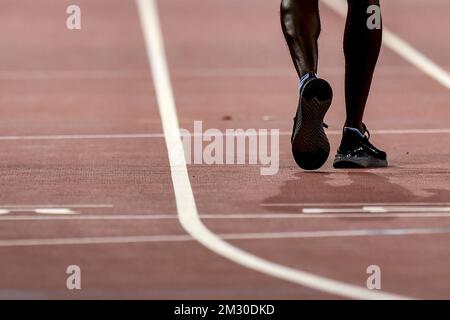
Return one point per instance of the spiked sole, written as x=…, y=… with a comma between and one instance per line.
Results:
x=310, y=145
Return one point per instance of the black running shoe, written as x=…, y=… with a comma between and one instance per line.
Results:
x=356, y=151
x=310, y=145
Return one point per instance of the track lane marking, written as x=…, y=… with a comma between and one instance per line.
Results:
x=248, y=216
x=161, y=135
x=55, y=211
x=72, y=75
x=353, y=204
x=41, y=206
x=184, y=197
x=229, y=236
x=137, y=74
x=284, y=72
x=376, y=209
x=82, y=136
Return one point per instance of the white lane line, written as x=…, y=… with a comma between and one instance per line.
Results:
x=354, y=204
x=284, y=72
x=55, y=211
x=83, y=136
x=231, y=236
x=402, y=48
x=375, y=210
x=17, y=207
x=336, y=233
x=410, y=131
x=92, y=240
x=184, y=197
x=248, y=216
x=72, y=74
x=89, y=217
x=161, y=135
x=17, y=75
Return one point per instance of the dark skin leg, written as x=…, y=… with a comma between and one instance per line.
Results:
x=361, y=47
x=300, y=22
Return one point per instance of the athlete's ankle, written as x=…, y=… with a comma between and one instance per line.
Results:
x=355, y=125
x=305, y=78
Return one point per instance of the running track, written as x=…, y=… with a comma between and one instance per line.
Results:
x=81, y=132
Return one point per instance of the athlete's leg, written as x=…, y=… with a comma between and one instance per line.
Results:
x=301, y=27
x=361, y=48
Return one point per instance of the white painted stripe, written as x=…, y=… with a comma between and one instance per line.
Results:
x=249, y=72
x=92, y=240
x=82, y=137
x=161, y=135
x=55, y=211
x=71, y=74
x=115, y=136
x=320, y=210
x=372, y=209
x=231, y=236
x=402, y=48
x=185, y=202
x=375, y=210
x=15, y=75
x=409, y=131
x=336, y=233
x=354, y=204
x=383, y=209
x=18, y=207
x=2, y=211
x=413, y=56
x=118, y=217
x=243, y=216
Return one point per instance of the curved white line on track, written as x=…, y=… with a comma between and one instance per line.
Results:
x=185, y=202
x=402, y=48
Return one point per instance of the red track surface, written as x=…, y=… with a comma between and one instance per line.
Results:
x=227, y=61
